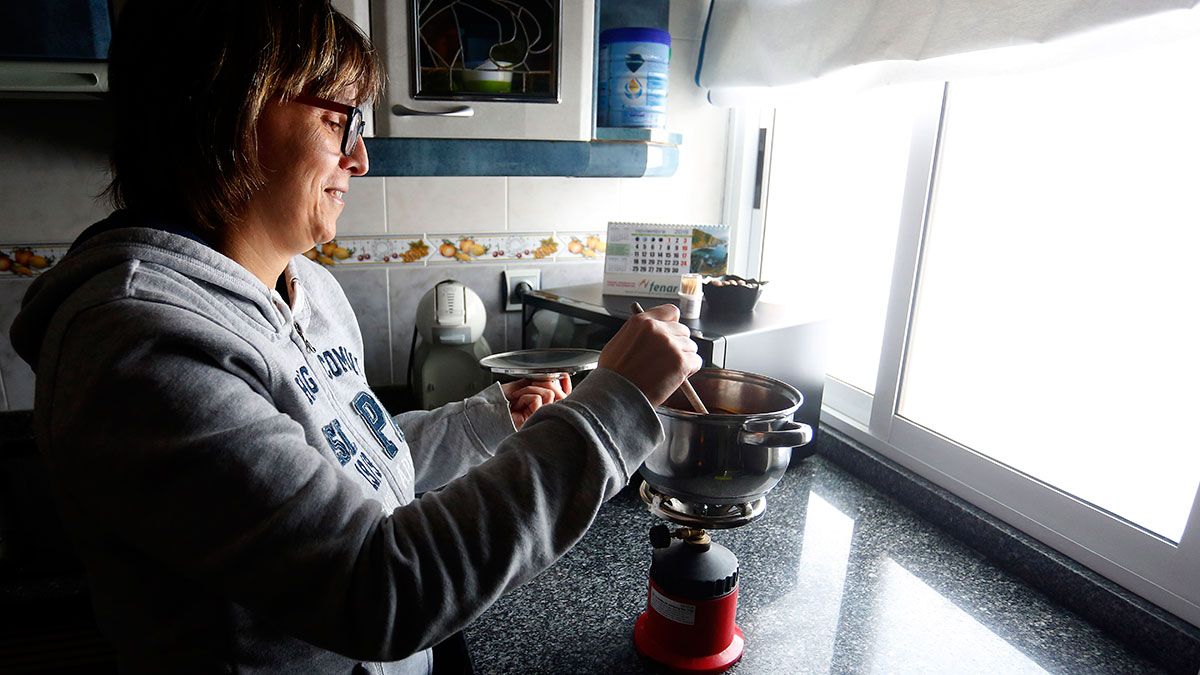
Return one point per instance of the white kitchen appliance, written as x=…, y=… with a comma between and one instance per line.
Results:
x=444, y=365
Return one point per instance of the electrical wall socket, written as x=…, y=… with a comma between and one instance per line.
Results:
x=512, y=279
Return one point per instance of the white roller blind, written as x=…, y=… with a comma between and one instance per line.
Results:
x=758, y=51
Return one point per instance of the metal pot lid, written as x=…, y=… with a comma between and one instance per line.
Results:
x=541, y=363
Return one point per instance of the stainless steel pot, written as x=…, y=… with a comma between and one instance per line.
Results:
x=735, y=454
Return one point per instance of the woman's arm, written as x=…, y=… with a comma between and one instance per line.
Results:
x=447, y=441
x=175, y=452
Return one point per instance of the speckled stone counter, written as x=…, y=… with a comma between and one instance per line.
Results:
x=835, y=578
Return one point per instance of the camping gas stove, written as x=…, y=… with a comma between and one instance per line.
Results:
x=688, y=624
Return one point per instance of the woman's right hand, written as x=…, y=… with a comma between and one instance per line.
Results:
x=653, y=351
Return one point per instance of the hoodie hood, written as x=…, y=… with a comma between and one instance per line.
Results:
x=126, y=239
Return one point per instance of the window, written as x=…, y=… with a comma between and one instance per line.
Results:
x=1009, y=262
x=836, y=185
x=1068, y=284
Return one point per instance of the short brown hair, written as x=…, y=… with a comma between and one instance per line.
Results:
x=189, y=80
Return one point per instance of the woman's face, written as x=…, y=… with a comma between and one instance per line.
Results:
x=307, y=176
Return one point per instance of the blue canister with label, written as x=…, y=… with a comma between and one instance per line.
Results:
x=632, y=78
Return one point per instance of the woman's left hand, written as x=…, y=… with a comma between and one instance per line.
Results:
x=526, y=396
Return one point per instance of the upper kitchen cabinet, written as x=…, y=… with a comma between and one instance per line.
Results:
x=486, y=69
x=54, y=48
x=495, y=88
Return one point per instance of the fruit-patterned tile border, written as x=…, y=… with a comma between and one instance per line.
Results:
x=370, y=250
x=451, y=248
x=29, y=260
x=581, y=245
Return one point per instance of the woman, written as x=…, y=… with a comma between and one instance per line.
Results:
x=240, y=498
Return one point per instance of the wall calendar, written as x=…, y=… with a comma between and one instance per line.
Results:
x=648, y=259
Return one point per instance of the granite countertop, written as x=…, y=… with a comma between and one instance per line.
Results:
x=835, y=577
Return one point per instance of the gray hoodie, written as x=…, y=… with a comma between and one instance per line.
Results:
x=240, y=498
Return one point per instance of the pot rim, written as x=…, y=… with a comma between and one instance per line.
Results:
x=732, y=417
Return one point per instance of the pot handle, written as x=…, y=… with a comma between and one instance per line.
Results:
x=791, y=435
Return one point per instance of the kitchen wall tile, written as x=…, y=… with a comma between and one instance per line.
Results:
x=489, y=248
x=687, y=19
x=492, y=248
x=461, y=247
x=366, y=208
x=561, y=203
x=55, y=156
x=557, y=275
x=406, y=287
x=441, y=204
x=572, y=274
x=445, y=248
x=404, y=250
x=28, y=261
x=367, y=291
x=17, y=375
x=583, y=246
x=512, y=331
x=695, y=193
x=346, y=252
x=332, y=253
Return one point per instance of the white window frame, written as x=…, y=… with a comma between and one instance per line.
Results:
x=1162, y=572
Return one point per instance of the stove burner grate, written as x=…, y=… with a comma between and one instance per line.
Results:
x=709, y=516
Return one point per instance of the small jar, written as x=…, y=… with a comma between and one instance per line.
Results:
x=691, y=296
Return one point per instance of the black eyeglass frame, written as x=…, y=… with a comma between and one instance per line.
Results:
x=355, y=123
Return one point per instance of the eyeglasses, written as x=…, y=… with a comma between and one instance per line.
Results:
x=355, y=123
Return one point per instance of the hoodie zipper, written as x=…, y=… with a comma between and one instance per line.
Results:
x=300, y=332
x=363, y=443
x=381, y=463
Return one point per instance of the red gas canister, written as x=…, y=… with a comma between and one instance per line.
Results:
x=689, y=624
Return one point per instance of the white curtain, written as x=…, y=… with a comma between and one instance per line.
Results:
x=759, y=51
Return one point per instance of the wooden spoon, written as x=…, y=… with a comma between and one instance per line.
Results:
x=686, y=387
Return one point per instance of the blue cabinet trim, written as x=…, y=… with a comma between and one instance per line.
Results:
x=472, y=157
